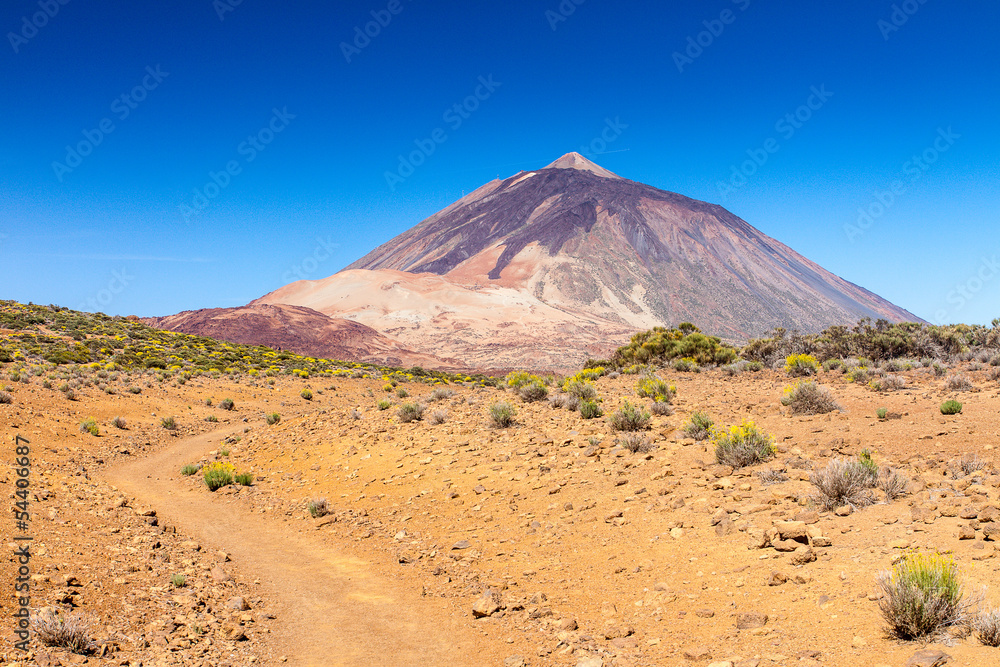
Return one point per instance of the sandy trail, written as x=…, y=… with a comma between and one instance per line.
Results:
x=332, y=608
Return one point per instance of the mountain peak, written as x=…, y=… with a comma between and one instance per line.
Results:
x=576, y=161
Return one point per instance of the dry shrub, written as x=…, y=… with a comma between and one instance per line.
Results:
x=410, y=412
x=318, y=507
x=843, y=482
x=69, y=632
x=987, y=627
x=635, y=442
x=958, y=383
x=439, y=416
x=6, y=398
x=892, y=484
x=771, y=476
x=630, y=418
x=661, y=409
x=967, y=465
x=700, y=427
x=502, y=414
x=808, y=398
x=922, y=597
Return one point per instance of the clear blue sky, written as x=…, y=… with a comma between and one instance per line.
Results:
x=309, y=129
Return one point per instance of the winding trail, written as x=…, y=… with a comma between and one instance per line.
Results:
x=332, y=608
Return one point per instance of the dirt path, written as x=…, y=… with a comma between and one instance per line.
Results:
x=333, y=608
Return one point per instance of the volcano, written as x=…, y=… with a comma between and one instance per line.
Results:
x=546, y=267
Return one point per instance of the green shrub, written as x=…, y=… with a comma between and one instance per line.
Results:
x=662, y=345
x=743, y=445
x=272, y=418
x=922, y=596
x=656, y=389
x=686, y=365
x=798, y=365
x=402, y=393
x=212, y=418
x=178, y=580
x=533, y=391
x=410, y=412
x=951, y=407
x=244, y=479
x=218, y=475
x=224, y=452
x=808, y=398
x=189, y=470
x=227, y=404
x=629, y=418
x=700, y=427
x=168, y=423
x=582, y=389
x=89, y=425
x=832, y=364
x=867, y=461
x=591, y=410
x=135, y=390
x=502, y=414
x=882, y=413
x=306, y=394
x=384, y=404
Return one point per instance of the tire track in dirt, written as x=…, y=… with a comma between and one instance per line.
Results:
x=332, y=608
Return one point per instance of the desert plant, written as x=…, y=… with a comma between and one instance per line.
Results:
x=70, y=632
x=922, y=596
x=771, y=476
x=892, y=483
x=686, y=365
x=809, y=398
x=441, y=393
x=987, y=627
x=439, y=416
x=119, y=422
x=272, y=418
x=502, y=414
x=590, y=410
x=743, y=445
x=533, y=391
x=212, y=418
x=306, y=394
x=244, y=479
x=355, y=414
x=798, y=365
x=656, y=389
x=882, y=413
x=843, y=482
x=832, y=364
x=661, y=409
x=6, y=398
x=227, y=404
x=384, y=404
x=582, y=389
x=168, y=423
x=178, y=580
x=887, y=383
x=410, y=412
x=867, y=460
x=635, y=442
x=318, y=507
x=629, y=418
x=699, y=426
x=89, y=425
x=958, y=383
x=951, y=407
x=224, y=452
x=135, y=390
x=218, y=475
x=968, y=464
x=189, y=470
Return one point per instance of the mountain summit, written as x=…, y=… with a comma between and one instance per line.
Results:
x=541, y=268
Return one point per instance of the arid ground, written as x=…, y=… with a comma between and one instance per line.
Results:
x=459, y=543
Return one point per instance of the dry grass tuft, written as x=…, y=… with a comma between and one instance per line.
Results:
x=843, y=482
x=69, y=632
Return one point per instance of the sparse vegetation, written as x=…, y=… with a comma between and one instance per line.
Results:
x=502, y=414
x=68, y=631
x=441, y=393
x=89, y=425
x=190, y=469
x=244, y=479
x=402, y=393
x=661, y=409
x=439, y=416
x=798, y=365
x=218, y=474
x=306, y=394
x=590, y=410
x=661, y=346
x=119, y=423
x=743, y=445
x=533, y=391
x=227, y=404
x=635, y=442
x=699, y=427
x=770, y=476
x=629, y=417
x=178, y=580
x=922, y=596
x=384, y=404
x=968, y=464
x=892, y=484
x=958, y=383
x=843, y=482
x=951, y=407
x=809, y=398
x=272, y=418
x=987, y=627
x=882, y=413
x=5, y=398
x=584, y=390
x=656, y=389
x=318, y=507
x=410, y=412
x=168, y=423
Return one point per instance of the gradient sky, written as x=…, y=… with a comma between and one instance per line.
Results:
x=908, y=98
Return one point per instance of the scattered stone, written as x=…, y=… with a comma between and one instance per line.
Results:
x=803, y=555
x=751, y=620
x=843, y=510
x=463, y=544
x=704, y=613
x=514, y=661
x=698, y=653
x=591, y=661
x=777, y=578
x=792, y=530
x=928, y=658
x=966, y=533
x=238, y=603
x=219, y=575
x=487, y=604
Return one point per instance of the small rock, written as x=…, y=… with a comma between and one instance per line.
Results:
x=966, y=533
x=808, y=517
x=219, y=575
x=514, y=661
x=751, y=620
x=776, y=579
x=803, y=555
x=843, y=510
x=591, y=661
x=463, y=544
x=704, y=613
x=487, y=604
x=859, y=642
x=928, y=658
x=238, y=603
x=698, y=653
x=568, y=624
x=792, y=530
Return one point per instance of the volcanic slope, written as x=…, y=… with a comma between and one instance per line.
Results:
x=573, y=258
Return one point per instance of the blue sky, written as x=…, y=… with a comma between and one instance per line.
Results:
x=165, y=156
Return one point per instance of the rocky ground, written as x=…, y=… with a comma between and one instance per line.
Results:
x=544, y=543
